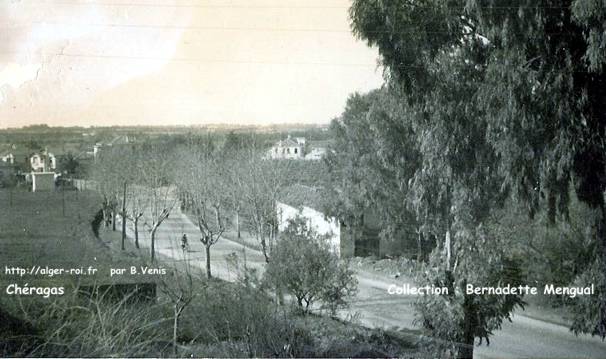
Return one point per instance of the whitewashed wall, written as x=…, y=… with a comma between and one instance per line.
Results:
x=316, y=221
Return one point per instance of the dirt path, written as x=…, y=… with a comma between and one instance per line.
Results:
x=524, y=338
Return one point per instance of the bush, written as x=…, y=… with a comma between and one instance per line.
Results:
x=73, y=326
x=586, y=309
x=551, y=253
x=233, y=320
x=239, y=320
x=303, y=266
x=17, y=337
x=96, y=222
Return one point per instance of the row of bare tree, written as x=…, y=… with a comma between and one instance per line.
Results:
x=222, y=189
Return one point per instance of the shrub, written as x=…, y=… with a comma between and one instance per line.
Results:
x=73, y=326
x=303, y=266
x=233, y=320
x=17, y=336
x=586, y=308
x=96, y=222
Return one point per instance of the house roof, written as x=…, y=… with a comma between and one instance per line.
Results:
x=299, y=195
x=289, y=142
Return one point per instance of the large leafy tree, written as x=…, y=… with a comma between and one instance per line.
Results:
x=70, y=165
x=371, y=162
x=401, y=156
x=514, y=87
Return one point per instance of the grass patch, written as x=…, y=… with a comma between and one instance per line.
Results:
x=53, y=230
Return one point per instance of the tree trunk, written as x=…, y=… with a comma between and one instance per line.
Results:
x=601, y=234
x=124, y=216
x=419, y=247
x=136, y=221
x=465, y=351
x=447, y=248
x=217, y=217
x=175, y=329
x=106, y=214
x=105, y=208
x=280, y=295
x=114, y=218
x=208, y=273
x=63, y=200
x=238, y=223
x=263, y=243
x=551, y=207
x=264, y=248
x=153, y=243
x=307, y=304
x=272, y=237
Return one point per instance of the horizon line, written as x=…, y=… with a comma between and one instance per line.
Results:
x=225, y=125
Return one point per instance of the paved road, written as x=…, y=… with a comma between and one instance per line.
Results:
x=524, y=338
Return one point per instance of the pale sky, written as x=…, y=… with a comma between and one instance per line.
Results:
x=178, y=62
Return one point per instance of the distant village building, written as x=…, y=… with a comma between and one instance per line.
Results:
x=8, y=158
x=43, y=162
x=290, y=148
x=98, y=147
x=43, y=165
x=295, y=148
x=28, y=161
x=315, y=154
x=9, y=154
x=34, y=167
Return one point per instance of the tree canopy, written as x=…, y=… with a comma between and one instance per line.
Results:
x=499, y=98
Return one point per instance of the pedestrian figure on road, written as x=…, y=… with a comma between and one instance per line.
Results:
x=184, y=244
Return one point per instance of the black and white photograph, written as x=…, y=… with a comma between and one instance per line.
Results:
x=303, y=179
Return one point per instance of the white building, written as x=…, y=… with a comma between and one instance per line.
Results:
x=8, y=158
x=43, y=162
x=290, y=148
x=10, y=154
x=315, y=154
x=96, y=149
x=316, y=221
